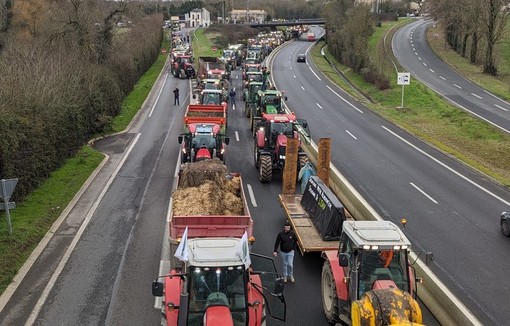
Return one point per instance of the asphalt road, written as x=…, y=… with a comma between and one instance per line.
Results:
x=114, y=234
x=411, y=49
x=451, y=210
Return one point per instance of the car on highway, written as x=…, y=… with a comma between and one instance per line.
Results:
x=505, y=223
x=301, y=57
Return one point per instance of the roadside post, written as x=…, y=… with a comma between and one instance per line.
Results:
x=6, y=189
x=403, y=78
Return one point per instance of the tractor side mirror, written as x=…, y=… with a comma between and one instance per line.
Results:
x=179, y=139
x=157, y=289
x=286, y=98
x=343, y=259
x=227, y=140
x=278, y=286
x=305, y=125
x=194, y=96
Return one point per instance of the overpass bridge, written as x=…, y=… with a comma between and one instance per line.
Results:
x=297, y=22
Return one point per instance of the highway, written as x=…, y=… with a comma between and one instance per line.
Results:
x=100, y=261
x=413, y=52
x=451, y=210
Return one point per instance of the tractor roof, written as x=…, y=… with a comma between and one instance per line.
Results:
x=214, y=252
x=209, y=91
x=381, y=234
x=279, y=117
x=204, y=128
x=270, y=92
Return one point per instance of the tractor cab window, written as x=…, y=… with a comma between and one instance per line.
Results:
x=383, y=265
x=282, y=128
x=184, y=60
x=211, y=98
x=217, y=286
x=203, y=140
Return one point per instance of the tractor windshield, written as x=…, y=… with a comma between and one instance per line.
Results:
x=212, y=98
x=204, y=140
x=383, y=265
x=282, y=128
x=217, y=286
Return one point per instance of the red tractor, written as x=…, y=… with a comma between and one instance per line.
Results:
x=271, y=134
x=182, y=66
x=202, y=142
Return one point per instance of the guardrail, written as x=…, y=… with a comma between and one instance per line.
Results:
x=440, y=301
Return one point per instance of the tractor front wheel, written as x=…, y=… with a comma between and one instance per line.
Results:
x=329, y=296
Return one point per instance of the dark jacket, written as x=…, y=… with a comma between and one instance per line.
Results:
x=286, y=241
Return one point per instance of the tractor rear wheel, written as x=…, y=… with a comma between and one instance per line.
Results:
x=505, y=228
x=329, y=296
x=265, y=169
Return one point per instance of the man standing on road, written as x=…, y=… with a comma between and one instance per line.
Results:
x=233, y=97
x=286, y=240
x=176, y=96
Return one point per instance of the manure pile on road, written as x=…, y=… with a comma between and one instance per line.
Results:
x=204, y=189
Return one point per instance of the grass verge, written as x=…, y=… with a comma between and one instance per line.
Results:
x=34, y=216
x=430, y=118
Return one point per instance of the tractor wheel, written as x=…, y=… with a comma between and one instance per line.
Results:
x=329, y=297
x=251, y=122
x=265, y=169
x=505, y=228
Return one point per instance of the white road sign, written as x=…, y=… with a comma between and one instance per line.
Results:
x=404, y=78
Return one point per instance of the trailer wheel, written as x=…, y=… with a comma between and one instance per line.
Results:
x=328, y=291
x=266, y=169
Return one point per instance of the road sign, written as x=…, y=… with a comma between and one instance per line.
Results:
x=163, y=50
x=214, y=49
x=7, y=187
x=404, y=78
x=10, y=205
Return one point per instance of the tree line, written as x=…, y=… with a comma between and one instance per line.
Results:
x=472, y=27
x=65, y=69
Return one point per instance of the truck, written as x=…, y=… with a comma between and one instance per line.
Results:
x=367, y=278
x=211, y=67
x=214, y=279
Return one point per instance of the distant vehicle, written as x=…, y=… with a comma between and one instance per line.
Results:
x=310, y=37
x=505, y=223
x=301, y=57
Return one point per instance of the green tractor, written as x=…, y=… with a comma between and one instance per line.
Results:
x=270, y=102
x=250, y=96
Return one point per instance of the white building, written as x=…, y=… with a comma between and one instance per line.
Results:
x=198, y=18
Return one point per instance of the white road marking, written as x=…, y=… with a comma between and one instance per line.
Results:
x=157, y=98
x=237, y=136
x=294, y=76
x=424, y=193
x=500, y=107
x=350, y=134
x=449, y=168
x=457, y=86
x=252, y=195
x=442, y=77
x=320, y=107
x=477, y=96
x=313, y=72
x=431, y=70
x=419, y=58
x=424, y=64
x=344, y=99
x=302, y=88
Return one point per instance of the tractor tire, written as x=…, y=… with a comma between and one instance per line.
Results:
x=505, y=228
x=329, y=296
x=265, y=169
x=256, y=155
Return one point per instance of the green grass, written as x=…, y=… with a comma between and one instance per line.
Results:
x=429, y=117
x=203, y=43
x=33, y=217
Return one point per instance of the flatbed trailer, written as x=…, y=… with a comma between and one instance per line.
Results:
x=308, y=238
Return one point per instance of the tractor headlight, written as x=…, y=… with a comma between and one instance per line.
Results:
x=282, y=157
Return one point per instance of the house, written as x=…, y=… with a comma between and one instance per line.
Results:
x=198, y=18
x=248, y=15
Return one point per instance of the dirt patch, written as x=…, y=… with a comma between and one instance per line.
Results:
x=206, y=188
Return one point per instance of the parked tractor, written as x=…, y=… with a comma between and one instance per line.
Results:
x=216, y=288
x=271, y=141
x=203, y=141
x=182, y=66
x=267, y=101
x=369, y=280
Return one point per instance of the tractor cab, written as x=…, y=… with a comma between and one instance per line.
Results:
x=375, y=254
x=202, y=142
x=220, y=285
x=211, y=97
x=253, y=76
x=270, y=101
